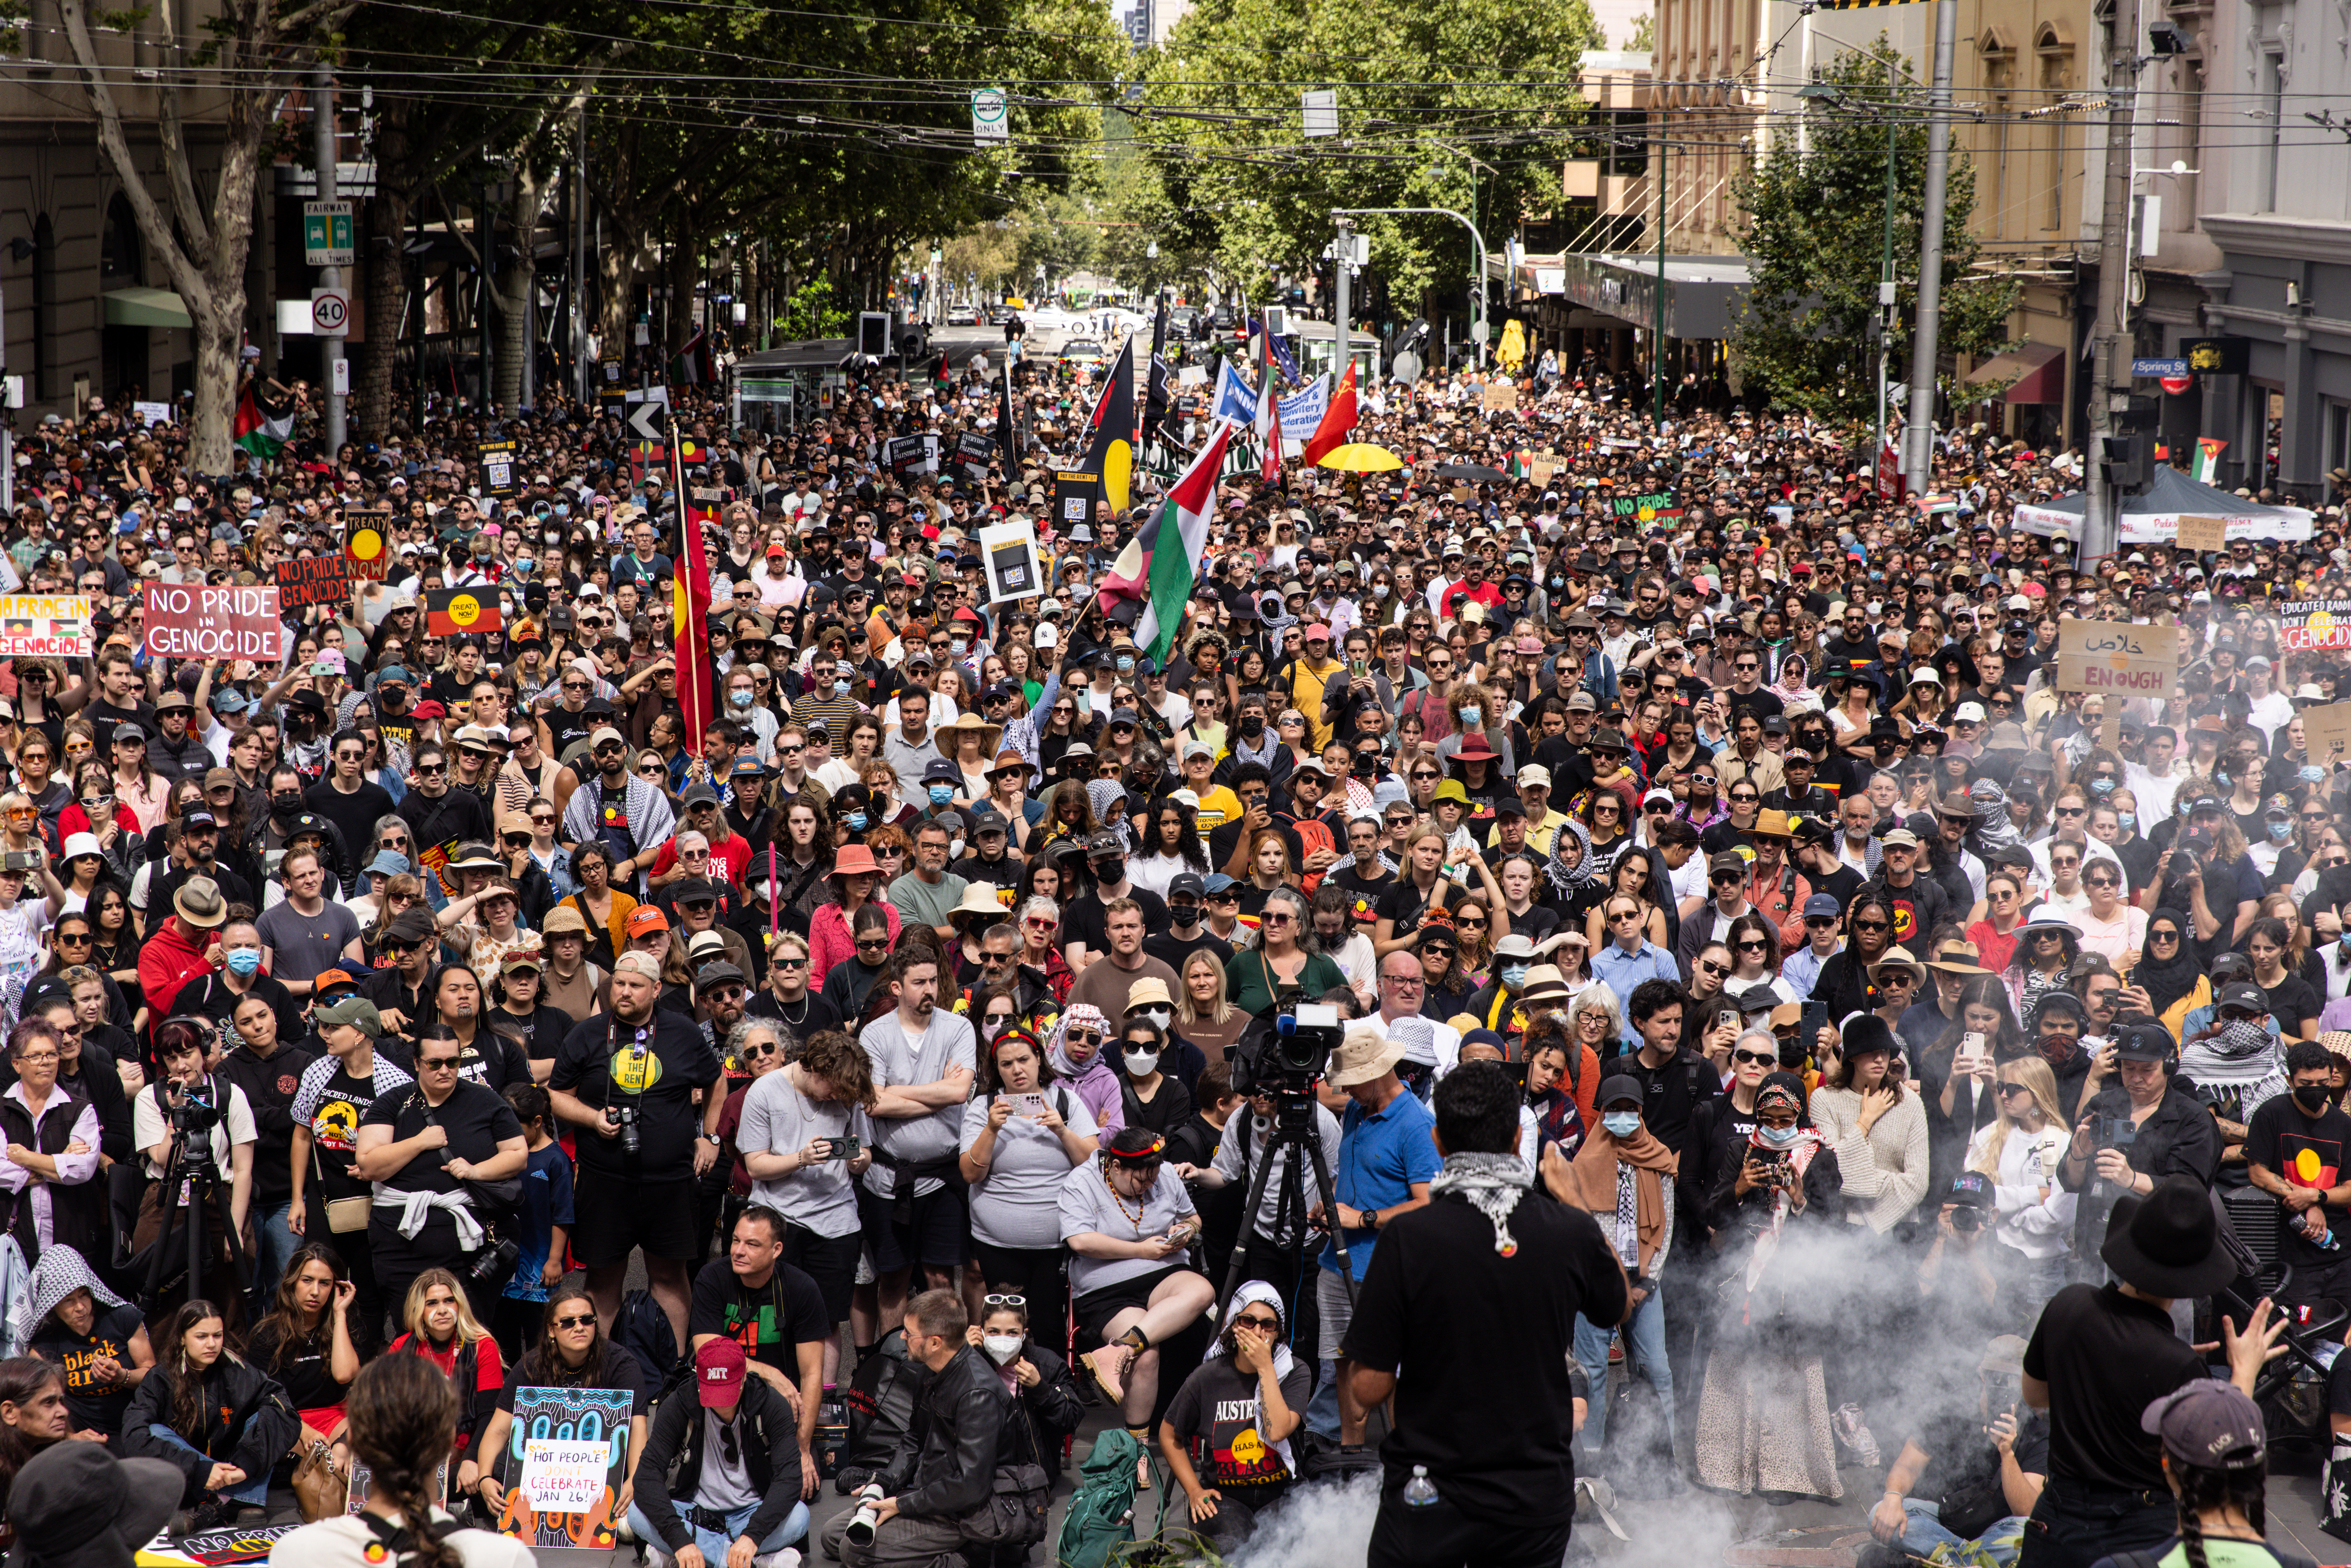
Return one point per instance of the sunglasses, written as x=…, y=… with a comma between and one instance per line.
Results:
x=1756, y=1057
x=579, y=1321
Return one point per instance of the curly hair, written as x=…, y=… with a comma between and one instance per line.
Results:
x=840, y=1061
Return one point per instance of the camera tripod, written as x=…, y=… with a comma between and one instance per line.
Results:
x=189, y=1169
x=1292, y=1129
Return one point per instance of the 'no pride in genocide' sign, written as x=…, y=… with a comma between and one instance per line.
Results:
x=186, y=621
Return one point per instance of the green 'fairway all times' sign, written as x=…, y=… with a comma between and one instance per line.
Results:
x=327, y=234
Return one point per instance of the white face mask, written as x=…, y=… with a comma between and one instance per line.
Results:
x=1159, y=1015
x=1001, y=1347
x=1142, y=1064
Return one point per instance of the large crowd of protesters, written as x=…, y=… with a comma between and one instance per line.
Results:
x=385, y=1005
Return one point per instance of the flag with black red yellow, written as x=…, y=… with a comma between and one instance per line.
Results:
x=461, y=611
x=690, y=622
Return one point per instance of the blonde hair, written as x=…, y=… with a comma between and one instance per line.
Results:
x=1220, y=1008
x=2035, y=1075
x=412, y=1308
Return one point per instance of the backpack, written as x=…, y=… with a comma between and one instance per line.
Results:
x=881, y=1402
x=1101, y=1516
x=644, y=1330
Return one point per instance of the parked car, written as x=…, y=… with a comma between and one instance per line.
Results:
x=963, y=316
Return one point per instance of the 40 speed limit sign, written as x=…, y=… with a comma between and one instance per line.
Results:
x=330, y=312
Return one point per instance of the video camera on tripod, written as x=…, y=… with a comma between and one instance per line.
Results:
x=192, y=1110
x=1291, y=1057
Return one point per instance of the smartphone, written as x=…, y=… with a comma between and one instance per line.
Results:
x=1031, y=1105
x=1360, y=667
x=842, y=1148
x=323, y=668
x=19, y=860
x=1809, y=1024
x=1727, y=1019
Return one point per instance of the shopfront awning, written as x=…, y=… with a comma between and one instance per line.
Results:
x=145, y=307
x=2038, y=371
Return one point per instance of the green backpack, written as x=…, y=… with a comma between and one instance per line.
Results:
x=1101, y=1516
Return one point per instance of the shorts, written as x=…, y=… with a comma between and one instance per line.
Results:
x=939, y=1238
x=1334, y=1309
x=1095, y=1309
x=829, y=1261
x=617, y=1217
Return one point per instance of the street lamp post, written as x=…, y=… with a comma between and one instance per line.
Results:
x=1478, y=251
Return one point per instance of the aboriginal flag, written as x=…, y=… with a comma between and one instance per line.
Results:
x=457, y=611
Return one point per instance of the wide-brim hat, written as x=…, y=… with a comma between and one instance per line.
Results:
x=969, y=723
x=1362, y=1057
x=2168, y=1242
x=980, y=898
x=1546, y=983
x=855, y=859
x=1476, y=748
x=198, y=902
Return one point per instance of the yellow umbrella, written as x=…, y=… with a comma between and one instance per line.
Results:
x=1361, y=457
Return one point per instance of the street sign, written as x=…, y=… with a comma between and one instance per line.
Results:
x=987, y=117
x=326, y=239
x=649, y=414
x=330, y=312
x=2158, y=367
x=1319, y=113
x=339, y=383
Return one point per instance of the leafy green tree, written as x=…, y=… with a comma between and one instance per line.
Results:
x=1813, y=230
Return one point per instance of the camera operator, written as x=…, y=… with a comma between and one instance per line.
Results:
x=188, y=1101
x=629, y=1077
x=2133, y=1133
x=2295, y=1147
x=433, y=1148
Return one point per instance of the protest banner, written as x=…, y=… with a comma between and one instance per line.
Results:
x=315, y=580
x=2326, y=733
x=2203, y=533
x=2306, y=626
x=44, y=625
x=2116, y=657
x=189, y=621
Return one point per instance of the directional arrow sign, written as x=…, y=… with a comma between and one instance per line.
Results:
x=649, y=414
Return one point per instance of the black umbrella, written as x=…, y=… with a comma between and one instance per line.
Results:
x=1472, y=473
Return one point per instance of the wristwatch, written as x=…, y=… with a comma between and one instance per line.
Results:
x=1372, y=1220
x=713, y=1140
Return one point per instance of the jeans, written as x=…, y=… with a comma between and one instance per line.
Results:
x=1925, y=1532
x=1321, y=1414
x=1645, y=1335
x=713, y=1544
x=274, y=1243
x=253, y=1490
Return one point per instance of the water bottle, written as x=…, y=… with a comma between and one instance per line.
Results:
x=1419, y=1491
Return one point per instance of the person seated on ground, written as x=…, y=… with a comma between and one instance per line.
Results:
x=571, y=1353
x=1242, y=1405
x=34, y=1416
x=439, y=1326
x=211, y=1415
x=97, y=1338
x=736, y=1452
x=309, y=1341
x=1950, y=1487
x=1040, y=1380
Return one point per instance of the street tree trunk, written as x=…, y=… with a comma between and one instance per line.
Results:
x=385, y=266
x=261, y=55
x=516, y=279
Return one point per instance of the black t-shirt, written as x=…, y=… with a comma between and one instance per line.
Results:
x=209, y=998
x=332, y=1106
x=269, y=1088
x=492, y=1061
x=2291, y=1002
x=1435, y=1299
x=1171, y=949
x=2105, y=1358
x=354, y=815
x=810, y=1016
x=543, y=1028
x=104, y=716
x=619, y=1369
x=305, y=1369
x=94, y=1408
x=2301, y=1151
x=767, y=1321
x=1404, y=904
x=475, y=1118
x=1364, y=888
x=656, y=1068
x=1218, y=1404
x=439, y=825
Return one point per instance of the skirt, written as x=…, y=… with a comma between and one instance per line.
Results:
x=1764, y=1426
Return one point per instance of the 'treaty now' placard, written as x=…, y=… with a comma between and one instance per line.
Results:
x=191, y=621
x=2118, y=657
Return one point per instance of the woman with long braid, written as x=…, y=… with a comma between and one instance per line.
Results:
x=2215, y=1458
x=404, y=1421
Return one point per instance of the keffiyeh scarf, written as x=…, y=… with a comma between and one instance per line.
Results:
x=1490, y=1184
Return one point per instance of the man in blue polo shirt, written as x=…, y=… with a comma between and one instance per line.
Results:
x=1387, y=1160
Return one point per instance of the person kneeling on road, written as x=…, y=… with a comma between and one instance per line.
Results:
x=735, y=1502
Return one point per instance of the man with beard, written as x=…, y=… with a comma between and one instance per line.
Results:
x=197, y=855
x=627, y=1079
x=922, y=1060
x=440, y=817
x=628, y=816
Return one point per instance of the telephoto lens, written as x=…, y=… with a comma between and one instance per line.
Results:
x=868, y=1517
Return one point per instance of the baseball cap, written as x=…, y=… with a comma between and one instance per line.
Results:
x=1823, y=906
x=719, y=1367
x=2207, y=1423
x=645, y=920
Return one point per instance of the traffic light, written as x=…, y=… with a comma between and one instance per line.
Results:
x=2128, y=461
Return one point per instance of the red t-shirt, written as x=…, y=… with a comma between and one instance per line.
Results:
x=728, y=860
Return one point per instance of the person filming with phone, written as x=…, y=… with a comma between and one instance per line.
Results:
x=1971, y=1468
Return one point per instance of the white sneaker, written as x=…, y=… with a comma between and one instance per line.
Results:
x=784, y=1557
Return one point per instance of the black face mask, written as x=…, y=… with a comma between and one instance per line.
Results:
x=1183, y=914
x=1252, y=724
x=1110, y=873
x=286, y=805
x=2312, y=1096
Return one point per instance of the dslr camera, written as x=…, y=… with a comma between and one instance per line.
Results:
x=192, y=1110
x=632, y=1142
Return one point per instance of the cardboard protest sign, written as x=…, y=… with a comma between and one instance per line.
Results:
x=2116, y=657
x=1499, y=396
x=2323, y=730
x=189, y=621
x=2203, y=533
x=566, y=1417
x=320, y=580
x=44, y=625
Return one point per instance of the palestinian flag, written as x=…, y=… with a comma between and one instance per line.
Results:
x=1338, y=420
x=260, y=433
x=1110, y=442
x=457, y=611
x=691, y=365
x=690, y=624
x=1160, y=567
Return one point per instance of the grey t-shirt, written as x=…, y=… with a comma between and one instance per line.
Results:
x=304, y=945
x=1230, y=1158
x=1016, y=1202
x=781, y=1120
x=1087, y=1204
x=921, y=902
x=723, y=1488
x=947, y=1042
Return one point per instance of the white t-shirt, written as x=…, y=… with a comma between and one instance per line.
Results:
x=779, y=1119
x=343, y=1543
x=1017, y=1203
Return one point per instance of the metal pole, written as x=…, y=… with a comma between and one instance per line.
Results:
x=1657, y=323
x=322, y=143
x=580, y=255
x=1342, y=253
x=1918, y=435
x=1884, y=288
x=2110, y=381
